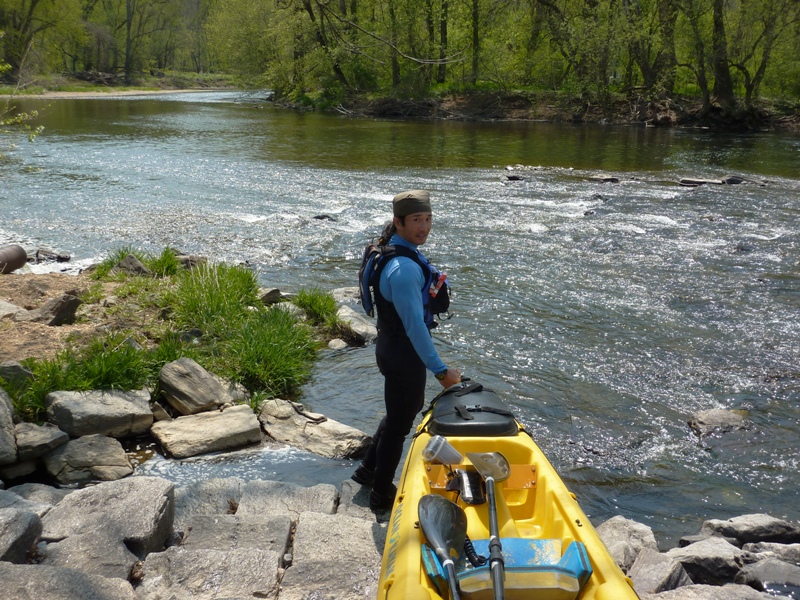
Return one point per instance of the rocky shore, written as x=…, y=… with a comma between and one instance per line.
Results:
x=95, y=531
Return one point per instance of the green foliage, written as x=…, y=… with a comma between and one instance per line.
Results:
x=214, y=298
x=267, y=350
x=165, y=265
x=320, y=306
x=113, y=362
x=271, y=352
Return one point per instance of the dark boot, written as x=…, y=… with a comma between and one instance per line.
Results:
x=363, y=476
x=382, y=499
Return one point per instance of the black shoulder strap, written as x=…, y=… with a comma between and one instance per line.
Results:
x=389, y=252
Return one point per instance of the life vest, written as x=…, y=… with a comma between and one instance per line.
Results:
x=435, y=291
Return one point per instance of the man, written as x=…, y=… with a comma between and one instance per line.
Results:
x=404, y=348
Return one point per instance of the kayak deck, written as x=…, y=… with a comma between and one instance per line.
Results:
x=538, y=518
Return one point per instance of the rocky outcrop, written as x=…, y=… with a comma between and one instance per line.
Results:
x=711, y=565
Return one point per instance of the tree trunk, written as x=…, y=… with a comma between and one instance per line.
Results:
x=723, y=84
x=442, y=74
x=476, y=40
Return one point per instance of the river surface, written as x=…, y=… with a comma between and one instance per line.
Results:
x=606, y=314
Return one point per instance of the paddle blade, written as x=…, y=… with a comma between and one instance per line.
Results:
x=491, y=464
x=444, y=525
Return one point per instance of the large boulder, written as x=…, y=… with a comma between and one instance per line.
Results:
x=234, y=427
x=189, y=388
x=712, y=561
x=625, y=538
x=753, y=528
x=289, y=423
x=115, y=413
x=139, y=511
x=88, y=458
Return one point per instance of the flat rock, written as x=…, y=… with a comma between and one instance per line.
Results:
x=754, y=528
x=710, y=592
x=786, y=552
x=232, y=532
x=40, y=493
x=190, y=435
x=217, y=496
x=323, y=545
x=9, y=499
x=210, y=574
x=289, y=423
x=101, y=552
x=115, y=413
x=283, y=498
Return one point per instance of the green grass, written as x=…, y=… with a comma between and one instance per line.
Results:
x=266, y=349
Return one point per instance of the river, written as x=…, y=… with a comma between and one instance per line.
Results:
x=606, y=314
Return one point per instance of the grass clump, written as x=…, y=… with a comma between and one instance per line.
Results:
x=211, y=313
x=113, y=362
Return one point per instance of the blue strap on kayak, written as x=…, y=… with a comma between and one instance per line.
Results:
x=434, y=570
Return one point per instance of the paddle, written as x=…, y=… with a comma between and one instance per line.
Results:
x=444, y=525
x=493, y=466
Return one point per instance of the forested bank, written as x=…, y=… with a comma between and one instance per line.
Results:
x=727, y=57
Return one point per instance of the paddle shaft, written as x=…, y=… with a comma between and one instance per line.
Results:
x=496, y=564
x=450, y=568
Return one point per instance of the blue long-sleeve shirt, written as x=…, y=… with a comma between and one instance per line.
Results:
x=401, y=284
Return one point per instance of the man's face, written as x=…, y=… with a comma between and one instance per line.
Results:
x=416, y=228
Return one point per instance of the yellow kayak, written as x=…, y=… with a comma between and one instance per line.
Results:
x=472, y=457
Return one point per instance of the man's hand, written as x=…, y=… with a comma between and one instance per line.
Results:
x=453, y=377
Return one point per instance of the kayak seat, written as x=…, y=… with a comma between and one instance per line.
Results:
x=533, y=569
x=470, y=410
